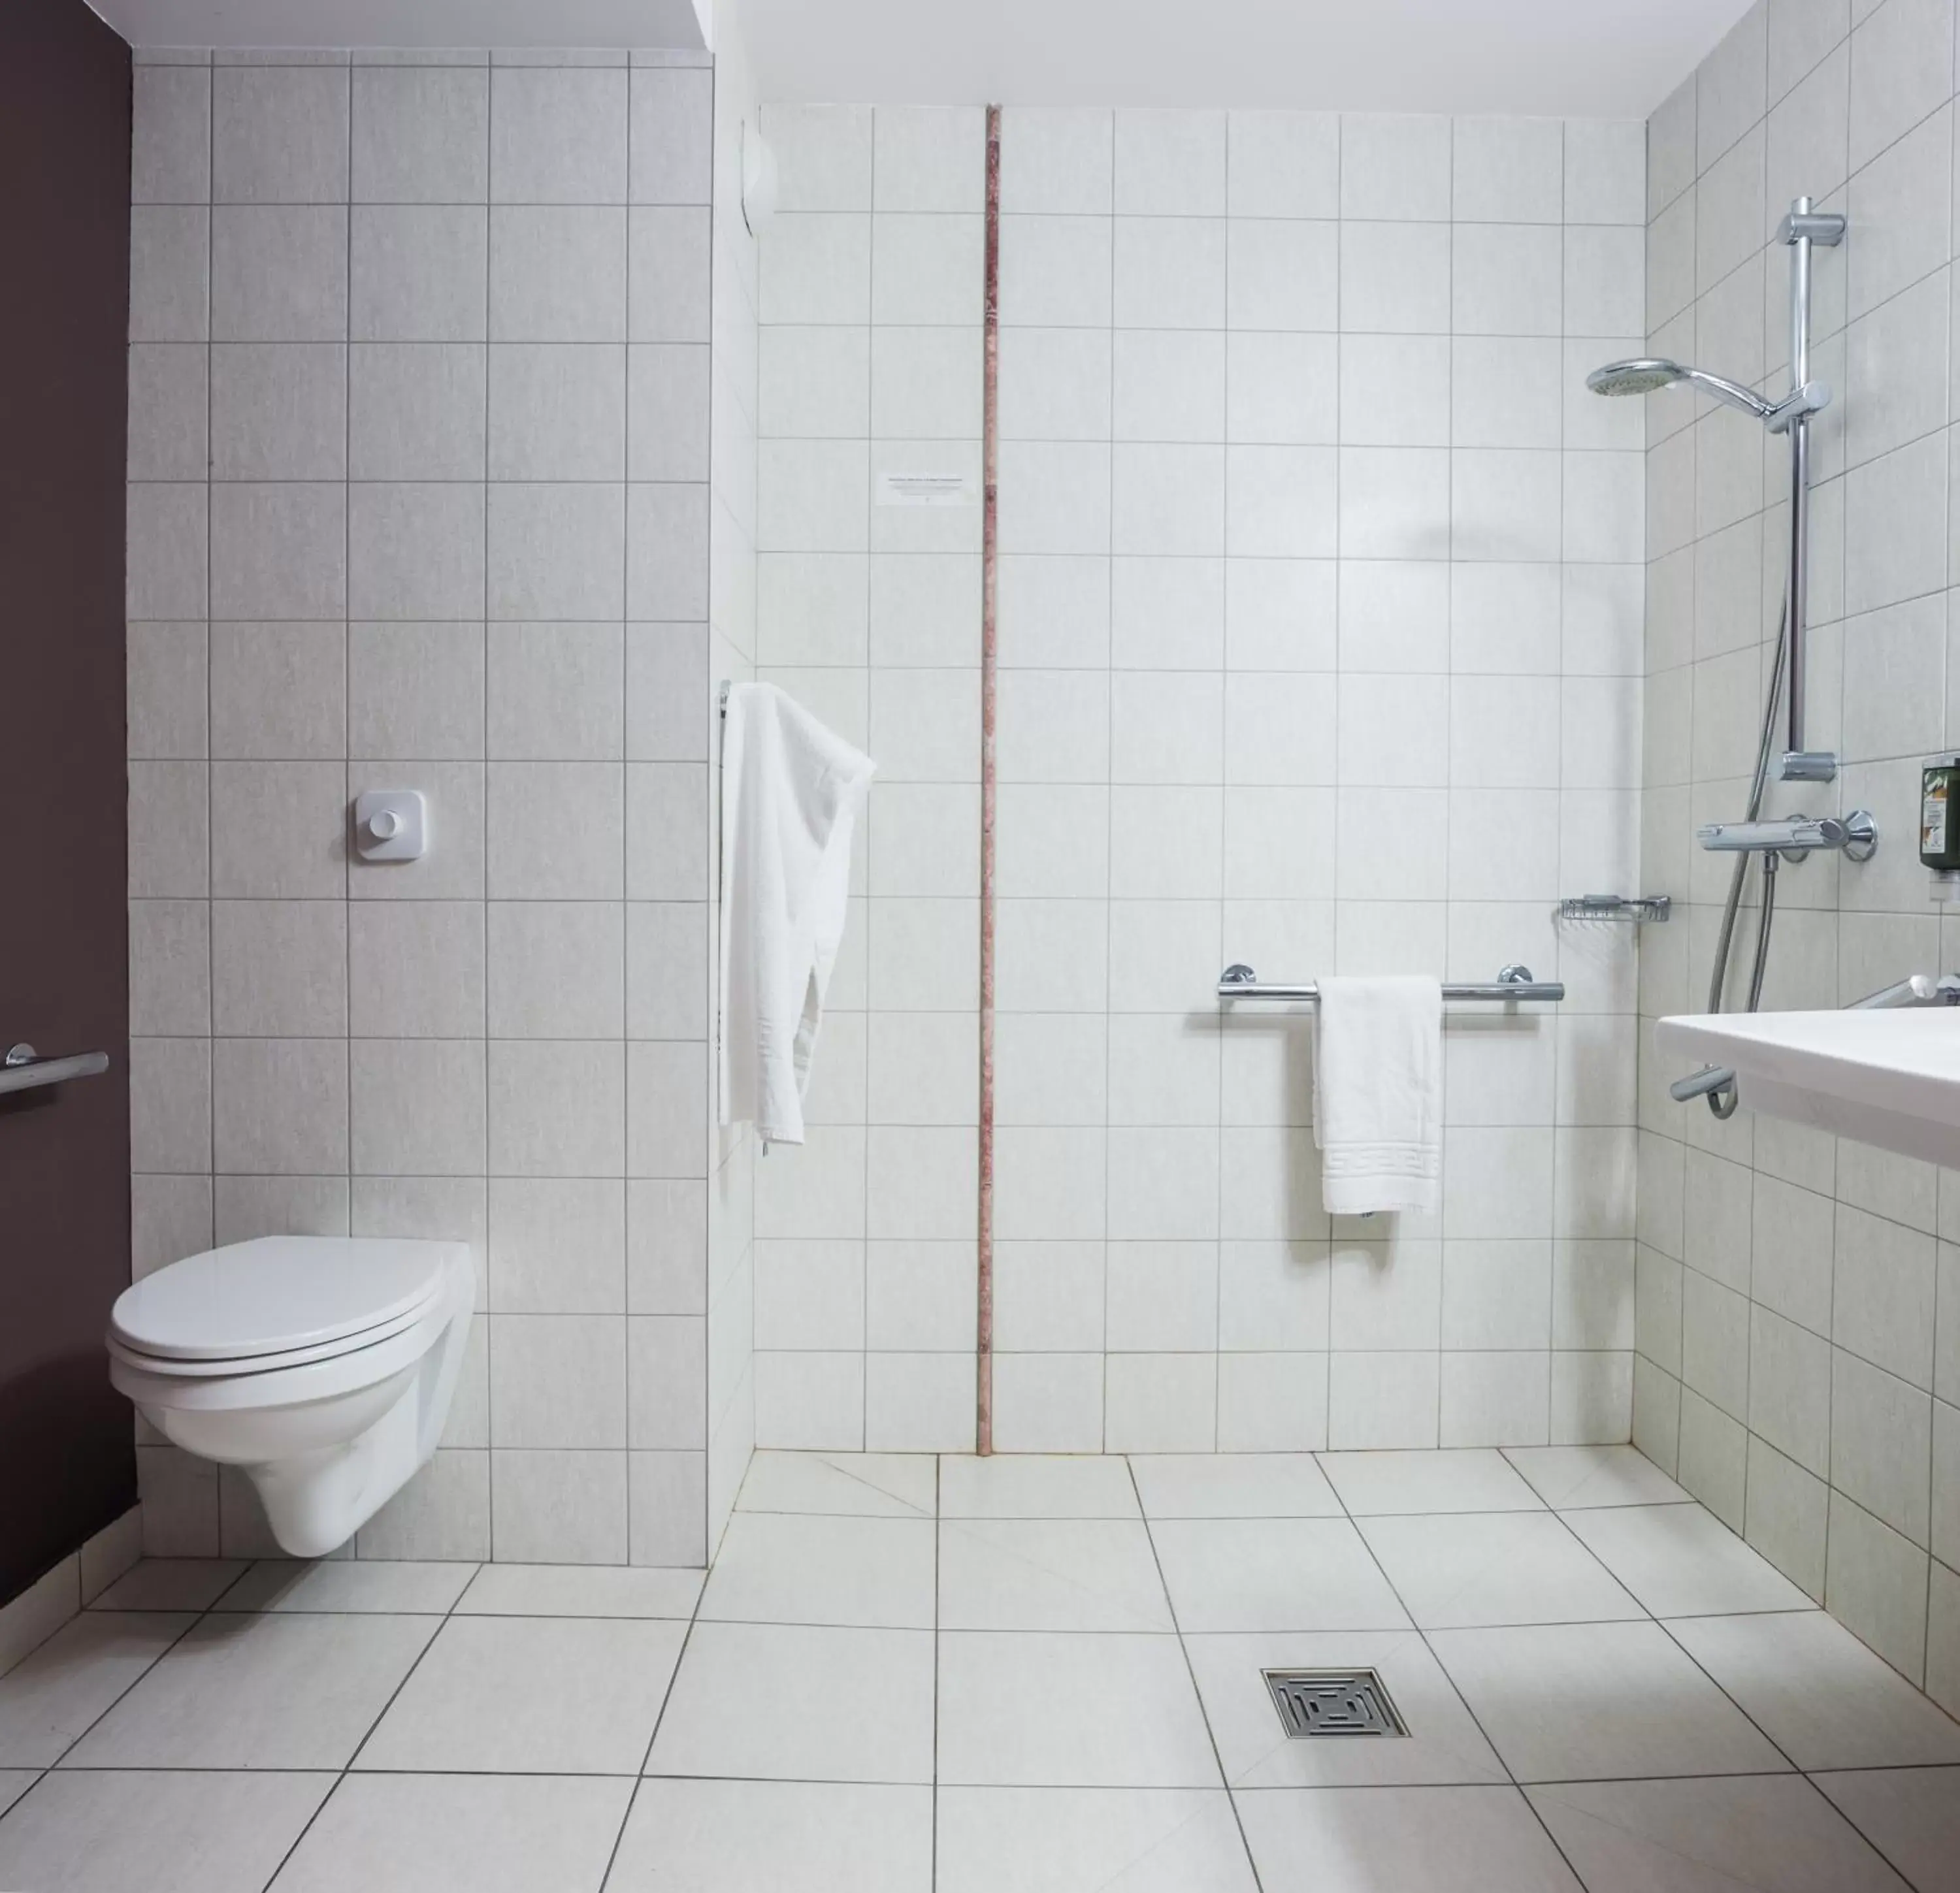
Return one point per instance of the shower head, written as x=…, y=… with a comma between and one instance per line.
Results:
x=1641, y=376
x=1645, y=374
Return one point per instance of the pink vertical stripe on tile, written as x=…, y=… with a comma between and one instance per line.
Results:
x=989, y=441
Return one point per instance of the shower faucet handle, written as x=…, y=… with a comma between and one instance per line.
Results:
x=1857, y=835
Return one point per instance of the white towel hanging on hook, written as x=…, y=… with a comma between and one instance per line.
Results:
x=791, y=791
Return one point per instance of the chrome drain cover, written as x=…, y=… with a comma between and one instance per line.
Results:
x=1332, y=1702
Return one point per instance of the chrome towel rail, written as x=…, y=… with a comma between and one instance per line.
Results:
x=1239, y=982
x=23, y=1068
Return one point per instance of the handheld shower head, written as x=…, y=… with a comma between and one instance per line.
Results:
x=1645, y=374
x=1640, y=376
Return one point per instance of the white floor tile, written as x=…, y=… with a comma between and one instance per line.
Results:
x=51, y=1696
x=405, y=1834
x=1911, y=1816
x=1069, y=1839
x=349, y=1584
x=14, y=1783
x=259, y=1692
x=1018, y=1709
x=174, y=1832
x=530, y=1695
x=580, y=1590
x=879, y=1485
x=170, y=1584
x=787, y=1837
x=1272, y=1574
x=1400, y=1840
x=1585, y=1702
x=777, y=1568
x=791, y=1702
x=1817, y=1693
x=1564, y=1476
x=1035, y=1486
x=1444, y=1744
x=1774, y=1833
x=1682, y=1561
x=1475, y=1479
x=1494, y=1567
x=1049, y=1574
x=1233, y=1485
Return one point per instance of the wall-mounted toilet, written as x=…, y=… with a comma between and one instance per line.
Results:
x=322, y=1367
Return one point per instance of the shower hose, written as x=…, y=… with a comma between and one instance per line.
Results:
x=1722, y=1102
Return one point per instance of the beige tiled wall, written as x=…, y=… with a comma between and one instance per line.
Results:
x=419, y=462
x=1319, y=646
x=1799, y=1297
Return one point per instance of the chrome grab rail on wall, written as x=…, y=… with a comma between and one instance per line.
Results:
x=23, y=1069
x=1239, y=982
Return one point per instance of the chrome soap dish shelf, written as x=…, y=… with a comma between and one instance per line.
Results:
x=1632, y=908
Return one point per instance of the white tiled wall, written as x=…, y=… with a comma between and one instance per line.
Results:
x=1319, y=637
x=1799, y=1301
x=419, y=461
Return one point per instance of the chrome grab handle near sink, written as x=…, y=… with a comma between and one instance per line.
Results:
x=1921, y=989
x=1918, y=989
x=1697, y=1083
x=23, y=1069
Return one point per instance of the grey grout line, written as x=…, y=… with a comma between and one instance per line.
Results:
x=1477, y=1722
x=347, y=1767
x=1191, y=1671
x=653, y=1736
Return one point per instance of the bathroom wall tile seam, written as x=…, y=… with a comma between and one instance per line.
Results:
x=1895, y=1243
x=240, y=1195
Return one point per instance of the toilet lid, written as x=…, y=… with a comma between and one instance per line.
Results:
x=275, y=1294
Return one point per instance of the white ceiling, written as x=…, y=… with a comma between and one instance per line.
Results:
x=1558, y=58
x=407, y=23
x=1608, y=58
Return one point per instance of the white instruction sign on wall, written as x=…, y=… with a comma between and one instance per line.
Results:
x=925, y=489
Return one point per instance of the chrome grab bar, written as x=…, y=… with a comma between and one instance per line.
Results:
x=1856, y=834
x=23, y=1069
x=1919, y=989
x=1708, y=1078
x=1239, y=982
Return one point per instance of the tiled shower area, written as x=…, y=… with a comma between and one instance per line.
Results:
x=942, y=1505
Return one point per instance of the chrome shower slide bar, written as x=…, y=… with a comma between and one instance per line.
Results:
x=1239, y=982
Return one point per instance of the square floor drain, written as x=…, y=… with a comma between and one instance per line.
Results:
x=1332, y=1702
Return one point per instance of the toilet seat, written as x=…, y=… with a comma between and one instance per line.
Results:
x=277, y=1301
x=211, y=1369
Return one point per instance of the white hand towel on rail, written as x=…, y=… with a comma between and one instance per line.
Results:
x=1378, y=1095
x=790, y=793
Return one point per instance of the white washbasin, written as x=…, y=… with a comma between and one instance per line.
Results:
x=1890, y=1078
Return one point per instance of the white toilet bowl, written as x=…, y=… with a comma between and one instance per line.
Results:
x=322, y=1367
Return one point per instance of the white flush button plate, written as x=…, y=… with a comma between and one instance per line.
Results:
x=391, y=824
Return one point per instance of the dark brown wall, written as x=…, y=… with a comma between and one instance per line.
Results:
x=66, y=1464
